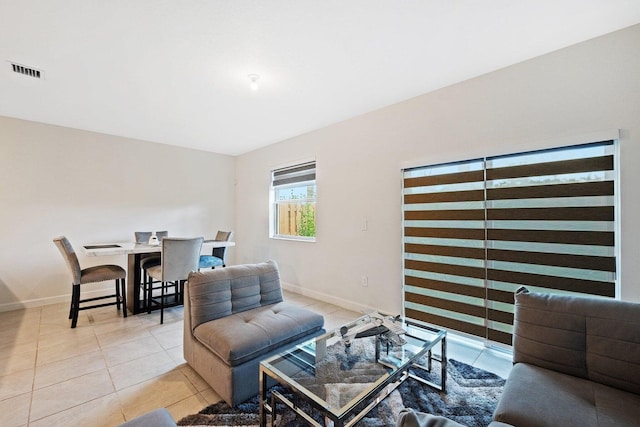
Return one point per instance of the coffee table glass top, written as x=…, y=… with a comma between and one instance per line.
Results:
x=338, y=371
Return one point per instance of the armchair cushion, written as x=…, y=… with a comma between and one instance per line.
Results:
x=247, y=335
x=232, y=290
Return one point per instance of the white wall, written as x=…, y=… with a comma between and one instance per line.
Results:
x=93, y=188
x=550, y=100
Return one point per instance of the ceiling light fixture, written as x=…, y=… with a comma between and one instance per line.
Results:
x=254, y=81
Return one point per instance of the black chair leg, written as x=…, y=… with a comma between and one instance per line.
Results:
x=118, y=294
x=73, y=298
x=76, y=305
x=123, y=292
x=148, y=292
x=143, y=283
x=162, y=303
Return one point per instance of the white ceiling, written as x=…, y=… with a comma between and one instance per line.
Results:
x=175, y=71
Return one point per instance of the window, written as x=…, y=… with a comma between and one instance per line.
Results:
x=475, y=231
x=293, y=210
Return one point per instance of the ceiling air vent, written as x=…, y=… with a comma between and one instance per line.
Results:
x=27, y=71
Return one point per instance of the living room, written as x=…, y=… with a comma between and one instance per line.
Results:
x=96, y=187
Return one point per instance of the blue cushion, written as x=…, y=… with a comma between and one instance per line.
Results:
x=209, y=261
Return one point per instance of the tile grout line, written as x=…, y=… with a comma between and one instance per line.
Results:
x=35, y=366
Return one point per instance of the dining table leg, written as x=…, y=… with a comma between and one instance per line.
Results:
x=134, y=302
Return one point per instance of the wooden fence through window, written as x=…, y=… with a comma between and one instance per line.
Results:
x=290, y=217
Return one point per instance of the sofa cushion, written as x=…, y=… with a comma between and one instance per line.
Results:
x=246, y=335
x=616, y=408
x=593, y=338
x=549, y=333
x=221, y=292
x=539, y=397
x=613, y=348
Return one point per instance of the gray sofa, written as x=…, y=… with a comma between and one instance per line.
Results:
x=233, y=318
x=576, y=363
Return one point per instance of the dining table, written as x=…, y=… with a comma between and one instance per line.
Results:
x=136, y=252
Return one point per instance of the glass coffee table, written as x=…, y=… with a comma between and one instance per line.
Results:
x=336, y=378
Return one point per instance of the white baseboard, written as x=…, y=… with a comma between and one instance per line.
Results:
x=340, y=302
x=320, y=296
x=40, y=302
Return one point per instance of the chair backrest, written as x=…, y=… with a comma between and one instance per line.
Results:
x=69, y=255
x=222, y=236
x=224, y=291
x=144, y=236
x=180, y=256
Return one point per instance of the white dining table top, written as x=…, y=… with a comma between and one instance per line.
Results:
x=126, y=248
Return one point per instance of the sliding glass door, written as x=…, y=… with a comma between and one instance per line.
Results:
x=475, y=231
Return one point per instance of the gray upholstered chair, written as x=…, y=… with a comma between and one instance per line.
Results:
x=216, y=259
x=98, y=273
x=179, y=258
x=142, y=237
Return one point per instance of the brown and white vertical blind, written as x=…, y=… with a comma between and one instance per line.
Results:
x=475, y=231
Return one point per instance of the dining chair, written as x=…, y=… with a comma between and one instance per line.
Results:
x=142, y=237
x=98, y=273
x=216, y=259
x=179, y=258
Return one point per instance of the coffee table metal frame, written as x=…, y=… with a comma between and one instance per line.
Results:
x=378, y=390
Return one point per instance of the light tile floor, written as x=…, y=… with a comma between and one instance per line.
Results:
x=110, y=369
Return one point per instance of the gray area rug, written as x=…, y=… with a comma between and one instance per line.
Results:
x=471, y=397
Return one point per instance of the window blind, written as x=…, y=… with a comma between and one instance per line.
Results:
x=294, y=175
x=444, y=246
x=550, y=227
x=476, y=231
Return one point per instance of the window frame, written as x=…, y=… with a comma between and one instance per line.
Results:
x=305, y=177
